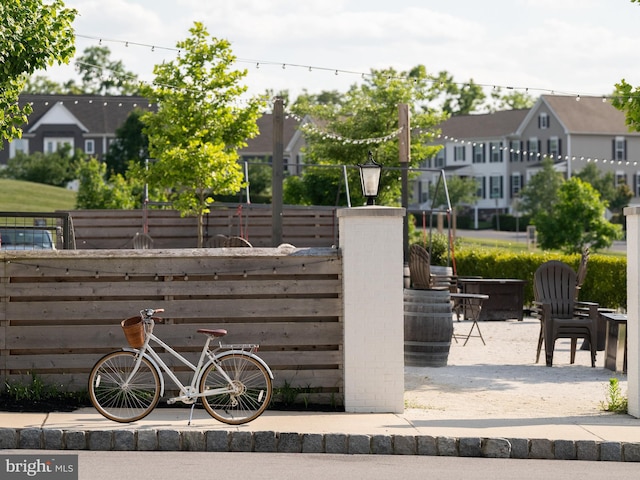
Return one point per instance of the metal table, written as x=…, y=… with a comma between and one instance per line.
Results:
x=471, y=306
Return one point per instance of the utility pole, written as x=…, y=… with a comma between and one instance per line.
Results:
x=277, y=172
x=404, y=152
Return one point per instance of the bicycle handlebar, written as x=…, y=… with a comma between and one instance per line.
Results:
x=147, y=313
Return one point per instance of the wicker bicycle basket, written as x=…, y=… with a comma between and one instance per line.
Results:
x=133, y=331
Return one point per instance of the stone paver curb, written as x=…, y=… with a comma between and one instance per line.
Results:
x=338, y=443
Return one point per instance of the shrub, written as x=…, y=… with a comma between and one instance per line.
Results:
x=605, y=283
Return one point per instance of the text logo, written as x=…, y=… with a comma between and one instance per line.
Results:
x=57, y=467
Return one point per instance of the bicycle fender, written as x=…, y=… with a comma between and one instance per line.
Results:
x=153, y=362
x=242, y=352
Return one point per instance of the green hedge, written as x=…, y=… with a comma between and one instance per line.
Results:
x=605, y=284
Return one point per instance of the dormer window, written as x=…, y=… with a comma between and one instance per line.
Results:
x=543, y=121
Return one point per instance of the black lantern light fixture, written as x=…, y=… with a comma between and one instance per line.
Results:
x=370, y=179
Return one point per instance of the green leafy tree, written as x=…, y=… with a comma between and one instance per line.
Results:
x=102, y=76
x=42, y=85
x=616, y=197
x=462, y=190
x=33, y=35
x=621, y=198
x=512, y=100
x=360, y=122
x=627, y=99
x=541, y=192
x=130, y=144
x=96, y=192
x=576, y=220
x=199, y=127
x=456, y=98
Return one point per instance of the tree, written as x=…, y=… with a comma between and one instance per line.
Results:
x=541, y=193
x=130, y=144
x=457, y=98
x=198, y=128
x=576, y=220
x=42, y=85
x=627, y=99
x=616, y=197
x=102, y=76
x=361, y=121
x=462, y=190
x=95, y=192
x=33, y=35
x=513, y=100
x=602, y=182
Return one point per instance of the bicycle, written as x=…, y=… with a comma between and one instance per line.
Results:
x=235, y=385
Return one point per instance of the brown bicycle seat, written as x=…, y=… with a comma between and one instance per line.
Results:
x=214, y=333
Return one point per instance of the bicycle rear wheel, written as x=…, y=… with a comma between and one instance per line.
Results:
x=117, y=399
x=252, y=389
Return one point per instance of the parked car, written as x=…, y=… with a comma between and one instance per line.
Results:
x=26, y=238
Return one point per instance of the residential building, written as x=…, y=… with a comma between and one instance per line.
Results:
x=503, y=150
x=85, y=122
x=477, y=146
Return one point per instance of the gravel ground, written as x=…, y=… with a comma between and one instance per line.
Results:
x=501, y=379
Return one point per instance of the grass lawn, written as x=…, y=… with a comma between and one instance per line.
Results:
x=512, y=247
x=19, y=196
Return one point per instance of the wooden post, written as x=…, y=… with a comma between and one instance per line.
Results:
x=404, y=152
x=277, y=172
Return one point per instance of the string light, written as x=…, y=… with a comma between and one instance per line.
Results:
x=156, y=276
x=539, y=155
x=363, y=75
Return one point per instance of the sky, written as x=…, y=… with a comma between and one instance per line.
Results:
x=577, y=47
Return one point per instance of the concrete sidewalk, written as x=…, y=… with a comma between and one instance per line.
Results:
x=604, y=437
x=490, y=400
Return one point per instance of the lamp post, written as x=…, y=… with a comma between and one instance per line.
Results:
x=370, y=179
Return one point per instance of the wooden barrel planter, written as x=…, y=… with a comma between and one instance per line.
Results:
x=428, y=327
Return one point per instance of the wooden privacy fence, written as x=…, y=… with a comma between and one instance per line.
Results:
x=61, y=311
x=116, y=229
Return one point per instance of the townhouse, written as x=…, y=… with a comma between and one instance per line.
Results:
x=503, y=150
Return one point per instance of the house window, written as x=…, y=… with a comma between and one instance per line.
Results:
x=478, y=153
x=553, y=148
x=439, y=160
x=515, y=151
x=53, y=144
x=621, y=178
x=18, y=145
x=619, y=148
x=481, y=193
x=495, y=149
x=543, y=121
x=516, y=184
x=459, y=153
x=90, y=146
x=533, y=149
x=424, y=191
x=495, y=186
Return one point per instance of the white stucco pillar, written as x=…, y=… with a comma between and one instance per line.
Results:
x=633, y=308
x=371, y=244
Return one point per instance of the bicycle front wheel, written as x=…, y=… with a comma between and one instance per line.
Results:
x=245, y=398
x=117, y=394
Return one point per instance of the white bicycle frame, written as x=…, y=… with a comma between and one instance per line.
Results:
x=189, y=393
